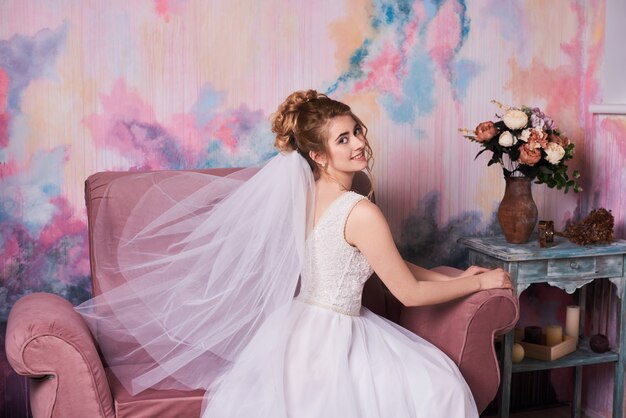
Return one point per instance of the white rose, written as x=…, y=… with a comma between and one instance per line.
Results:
x=525, y=135
x=554, y=152
x=515, y=119
x=506, y=139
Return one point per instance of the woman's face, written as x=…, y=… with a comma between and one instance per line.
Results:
x=345, y=145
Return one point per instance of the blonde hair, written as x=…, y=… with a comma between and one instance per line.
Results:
x=301, y=124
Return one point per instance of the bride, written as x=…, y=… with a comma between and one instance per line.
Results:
x=211, y=275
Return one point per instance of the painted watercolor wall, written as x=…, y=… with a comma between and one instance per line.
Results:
x=607, y=176
x=87, y=86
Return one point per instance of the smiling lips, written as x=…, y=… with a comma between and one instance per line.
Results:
x=359, y=157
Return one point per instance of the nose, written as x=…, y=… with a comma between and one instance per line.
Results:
x=360, y=141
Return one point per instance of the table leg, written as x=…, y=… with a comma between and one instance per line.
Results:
x=505, y=395
x=582, y=304
x=578, y=379
x=578, y=371
x=618, y=384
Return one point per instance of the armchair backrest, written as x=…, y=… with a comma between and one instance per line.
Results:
x=125, y=189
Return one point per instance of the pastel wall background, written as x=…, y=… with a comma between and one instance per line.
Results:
x=87, y=86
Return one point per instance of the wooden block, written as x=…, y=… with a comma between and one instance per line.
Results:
x=549, y=353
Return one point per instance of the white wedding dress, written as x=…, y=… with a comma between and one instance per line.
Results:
x=324, y=355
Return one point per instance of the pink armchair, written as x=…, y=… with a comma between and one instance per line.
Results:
x=49, y=342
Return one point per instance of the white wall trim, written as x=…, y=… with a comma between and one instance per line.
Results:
x=614, y=61
x=608, y=109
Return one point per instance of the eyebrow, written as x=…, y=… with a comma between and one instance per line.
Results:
x=342, y=134
x=347, y=132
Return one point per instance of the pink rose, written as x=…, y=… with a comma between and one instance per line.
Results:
x=485, y=131
x=563, y=141
x=537, y=138
x=529, y=155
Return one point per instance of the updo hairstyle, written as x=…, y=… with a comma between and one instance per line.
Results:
x=301, y=124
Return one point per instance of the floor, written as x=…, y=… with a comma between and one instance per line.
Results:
x=559, y=412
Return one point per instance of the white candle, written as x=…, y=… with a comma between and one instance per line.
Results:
x=572, y=321
x=554, y=335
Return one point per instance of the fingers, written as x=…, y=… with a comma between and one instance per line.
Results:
x=473, y=270
x=507, y=281
x=496, y=279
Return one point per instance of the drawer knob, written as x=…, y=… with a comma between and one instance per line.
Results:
x=574, y=265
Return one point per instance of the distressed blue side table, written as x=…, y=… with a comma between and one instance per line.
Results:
x=569, y=267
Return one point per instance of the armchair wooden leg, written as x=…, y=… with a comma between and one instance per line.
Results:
x=505, y=395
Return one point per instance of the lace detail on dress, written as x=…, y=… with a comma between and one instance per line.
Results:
x=334, y=272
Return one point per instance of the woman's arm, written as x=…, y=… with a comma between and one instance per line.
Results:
x=368, y=230
x=423, y=274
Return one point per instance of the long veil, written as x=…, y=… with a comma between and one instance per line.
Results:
x=202, y=260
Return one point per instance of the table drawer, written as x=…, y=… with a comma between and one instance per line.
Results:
x=571, y=267
x=574, y=268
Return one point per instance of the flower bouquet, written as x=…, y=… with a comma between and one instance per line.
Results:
x=527, y=143
x=528, y=146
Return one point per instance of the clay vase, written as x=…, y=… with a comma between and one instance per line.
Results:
x=517, y=213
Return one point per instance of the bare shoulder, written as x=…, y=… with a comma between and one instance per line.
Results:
x=365, y=221
x=365, y=211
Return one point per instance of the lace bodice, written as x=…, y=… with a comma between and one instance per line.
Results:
x=334, y=271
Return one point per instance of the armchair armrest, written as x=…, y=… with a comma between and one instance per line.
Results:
x=49, y=342
x=464, y=329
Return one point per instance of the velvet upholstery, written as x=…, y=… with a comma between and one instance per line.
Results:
x=127, y=191
x=154, y=403
x=48, y=341
x=473, y=321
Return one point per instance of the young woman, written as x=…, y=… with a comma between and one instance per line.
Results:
x=212, y=303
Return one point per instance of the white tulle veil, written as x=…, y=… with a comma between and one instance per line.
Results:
x=203, y=260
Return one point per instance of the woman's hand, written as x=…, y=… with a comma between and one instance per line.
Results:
x=494, y=279
x=472, y=271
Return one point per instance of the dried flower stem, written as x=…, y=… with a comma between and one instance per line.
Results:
x=468, y=133
x=501, y=106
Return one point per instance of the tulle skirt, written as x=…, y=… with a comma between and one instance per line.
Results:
x=310, y=361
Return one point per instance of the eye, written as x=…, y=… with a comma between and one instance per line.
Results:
x=343, y=140
x=358, y=130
